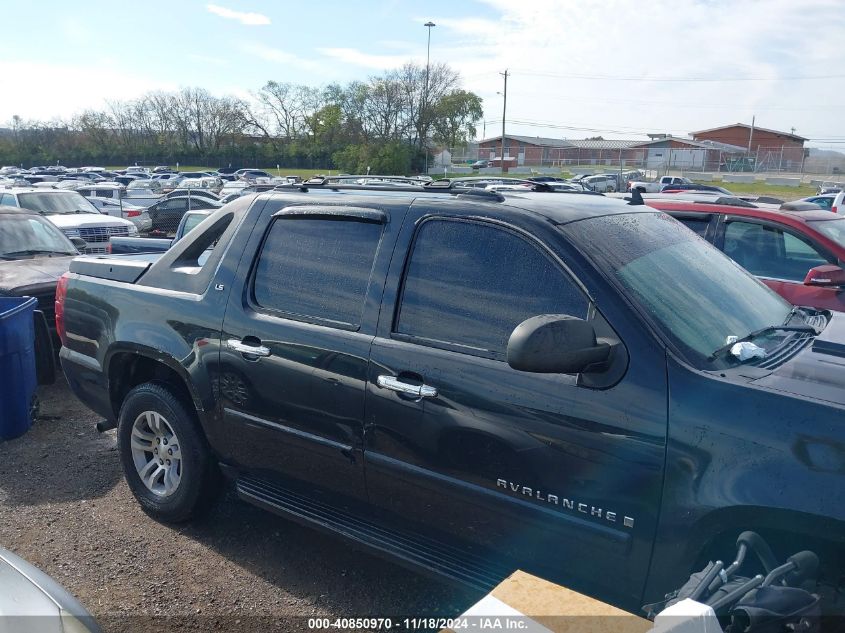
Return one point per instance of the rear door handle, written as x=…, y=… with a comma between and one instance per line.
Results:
x=251, y=350
x=417, y=391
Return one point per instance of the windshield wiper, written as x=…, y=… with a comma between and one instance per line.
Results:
x=34, y=251
x=765, y=330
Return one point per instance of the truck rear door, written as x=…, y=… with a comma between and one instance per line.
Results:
x=295, y=344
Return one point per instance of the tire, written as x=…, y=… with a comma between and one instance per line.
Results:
x=166, y=459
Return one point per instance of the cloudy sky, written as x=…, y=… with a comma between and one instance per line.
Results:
x=617, y=68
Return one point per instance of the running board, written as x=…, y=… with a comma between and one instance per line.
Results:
x=412, y=550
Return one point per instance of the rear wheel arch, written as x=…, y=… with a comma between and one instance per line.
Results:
x=128, y=368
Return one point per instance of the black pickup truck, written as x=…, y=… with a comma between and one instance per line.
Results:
x=470, y=383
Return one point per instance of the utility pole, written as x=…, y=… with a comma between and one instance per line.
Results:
x=424, y=113
x=751, y=134
x=504, y=111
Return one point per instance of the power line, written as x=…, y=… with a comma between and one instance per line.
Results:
x=673, y=79
x=728, y=104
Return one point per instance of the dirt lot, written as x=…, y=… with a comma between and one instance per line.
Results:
x=65, y=507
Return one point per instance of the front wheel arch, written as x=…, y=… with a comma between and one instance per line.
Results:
x=714, y=537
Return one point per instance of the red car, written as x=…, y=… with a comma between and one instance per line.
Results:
x=798, y=254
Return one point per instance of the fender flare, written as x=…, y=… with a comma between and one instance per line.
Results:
x=142, y=351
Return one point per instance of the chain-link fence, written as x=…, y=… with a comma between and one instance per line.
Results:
x=523, y=157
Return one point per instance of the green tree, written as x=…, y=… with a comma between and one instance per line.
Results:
x=455, y=116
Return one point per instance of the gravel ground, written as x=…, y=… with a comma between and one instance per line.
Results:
x=65, y=507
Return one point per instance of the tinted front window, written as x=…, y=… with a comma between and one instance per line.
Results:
x=471, y=284
x=317, y=268
x=65, y=202
x=695, y=294
x=174, y=205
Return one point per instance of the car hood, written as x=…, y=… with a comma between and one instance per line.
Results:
x=77, y=220
x=818, y=371
x=22, y=274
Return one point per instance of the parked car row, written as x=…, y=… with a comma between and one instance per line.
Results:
x=160, y=176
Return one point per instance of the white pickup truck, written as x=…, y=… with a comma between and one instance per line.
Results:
x=657, y=186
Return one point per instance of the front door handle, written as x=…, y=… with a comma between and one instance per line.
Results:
x=251, y=350
x=417, y=391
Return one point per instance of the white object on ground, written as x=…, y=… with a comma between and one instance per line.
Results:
x=490, y=613
x=687, y=616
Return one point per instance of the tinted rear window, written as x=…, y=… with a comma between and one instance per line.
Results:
x=317, y=268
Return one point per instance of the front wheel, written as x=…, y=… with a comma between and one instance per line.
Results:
x=166, y=460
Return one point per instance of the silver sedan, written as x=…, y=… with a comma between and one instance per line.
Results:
x=136, y=214
x=32, y=602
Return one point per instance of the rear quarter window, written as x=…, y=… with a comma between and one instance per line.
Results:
x=317, y=269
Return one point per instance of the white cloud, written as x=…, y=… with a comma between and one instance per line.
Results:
x=552, y=52
x=279, y=56
x=52, y=90
x=355, y=57
x=75, y=31
x=207, y=59
x=249, y=19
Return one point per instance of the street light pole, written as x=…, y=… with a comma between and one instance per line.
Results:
x=424, y=112
x=504, y=110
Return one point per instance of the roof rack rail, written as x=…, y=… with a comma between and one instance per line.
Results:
x=446, y=186
x=455, y=191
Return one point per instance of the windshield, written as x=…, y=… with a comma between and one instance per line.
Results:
x=64, y=202
x=192, y=220
x=693, y=292
x=26, y=236
x=144, y=184
x=834, y=229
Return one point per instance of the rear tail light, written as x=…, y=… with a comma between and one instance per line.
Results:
x=834, y=209
x=61, y=294
x=132, y=214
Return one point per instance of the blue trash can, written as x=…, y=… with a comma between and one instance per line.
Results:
x=17, y=365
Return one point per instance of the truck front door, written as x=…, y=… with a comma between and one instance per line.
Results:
x=537, y=469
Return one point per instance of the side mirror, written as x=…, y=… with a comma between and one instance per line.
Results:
x=79, y=243
x=555, y=344
x=827, y=275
